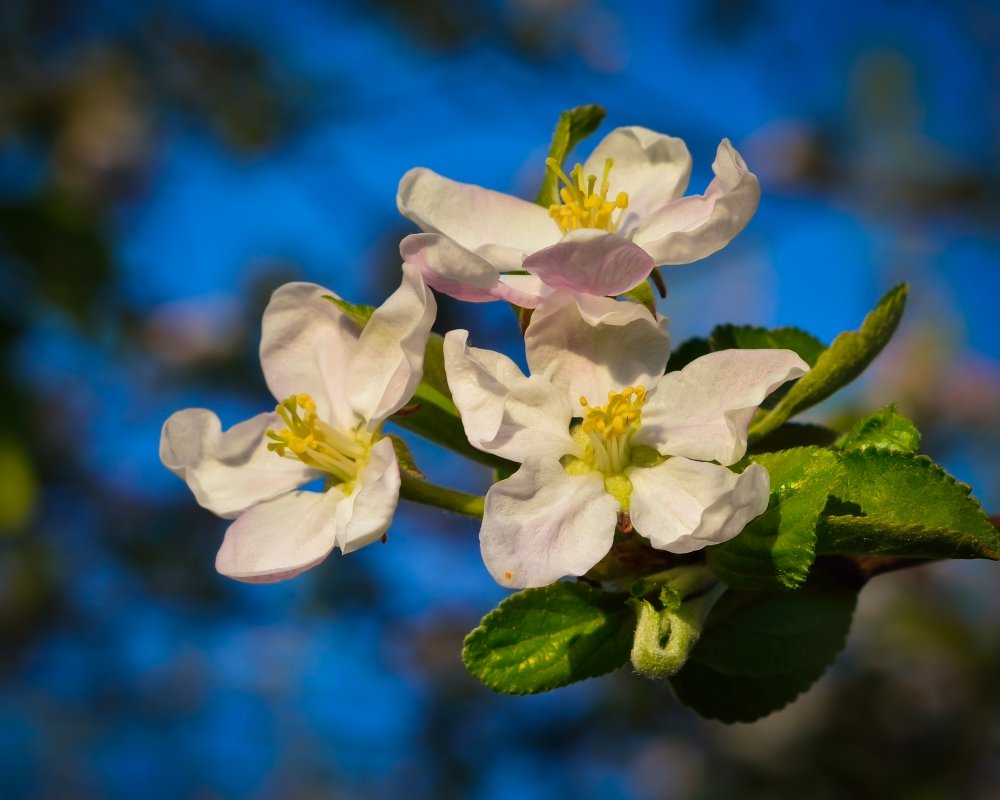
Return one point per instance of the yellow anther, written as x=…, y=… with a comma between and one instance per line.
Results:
x=615, y=417
x=583, y=206
x=312, y=441
x=608, y=429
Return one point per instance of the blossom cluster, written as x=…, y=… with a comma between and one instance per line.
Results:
x=603, y=442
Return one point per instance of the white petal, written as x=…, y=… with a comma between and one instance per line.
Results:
x=541, y=524
x=682, y=505
x=232, y=471
x=305, y=347
x=364, y=516
x=473, y=216
x=464, y=275
x=279, y=539
x=504, y=412
x=695, y=227
x=388, y=361
x=591, y=262
x=593, y=345
x=652, y=168
x=704, y=410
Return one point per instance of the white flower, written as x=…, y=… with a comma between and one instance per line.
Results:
x=622, y=213
x=335, y=384
x=616, y=436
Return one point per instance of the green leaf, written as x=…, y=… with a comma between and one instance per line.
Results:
x=777, y=548
x=911, y=507
x=794, y=434
x=837, y=366
x=864, y=536
x=687, y=352
x=541, y=639
x=884, y=430
x=748, y=337
x=761, y=650
x=573, y=126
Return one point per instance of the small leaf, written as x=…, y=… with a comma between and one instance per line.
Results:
x=760, y=650
x=407, y=464
x=358, y=314
x=687, y=352
x=902, y=497
x=573, y=126
x=748, y=337
x=777, y=548
x=837, y=366
x=642, y=293
x=884, y=430
x=541, y=639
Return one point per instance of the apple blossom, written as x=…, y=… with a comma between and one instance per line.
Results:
x=604, y=237
x=621, y=437
x=336, y=384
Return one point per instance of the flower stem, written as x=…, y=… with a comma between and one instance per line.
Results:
x=429, y=494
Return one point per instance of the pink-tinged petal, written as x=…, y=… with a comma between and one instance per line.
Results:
x=281, y=538
x=306, y=344
x=591, y=262
x=388, y=361
x=526, y=291
x=697, y=226
x=652, y=168
x=541, y=524
x=364, y=516
x=228, y=472
x=682, y=505
x=462, y=274
x=704, y=410
x=504, y=412
x=590, y=346
x=473, y=216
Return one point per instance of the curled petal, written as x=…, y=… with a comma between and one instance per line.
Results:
x=697, y=226
x=464, y=275
x=281, y=538
x=473, y=216
x=704, y=410
x=504, y=412
x=541, y=524
x=228, y=472
x=364, y=516
x=591, y=262
x=682, y=505
x=589, y=346
x=651, y=168
x=387, y=363
x=306, y=341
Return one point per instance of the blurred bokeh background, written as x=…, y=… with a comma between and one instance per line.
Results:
x=165, y=165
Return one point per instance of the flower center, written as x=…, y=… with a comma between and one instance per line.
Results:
x=609, y=428
x=582, y=206
x=312, y=441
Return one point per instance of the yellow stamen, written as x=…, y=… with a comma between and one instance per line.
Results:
x=609, y=428
x=312, y=441
x=582, y=206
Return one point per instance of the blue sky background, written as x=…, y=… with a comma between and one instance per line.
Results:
x=874, y=131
